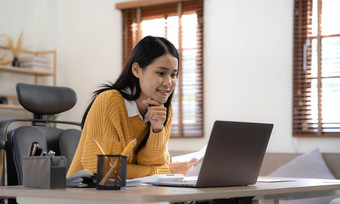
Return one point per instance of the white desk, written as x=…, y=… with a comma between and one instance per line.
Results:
x=271, y=192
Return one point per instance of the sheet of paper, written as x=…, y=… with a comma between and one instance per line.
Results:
x=80, y=174
x=274, y=180
x=187, y=157
x=332, y=181
x=79, y=179
x=196, y=170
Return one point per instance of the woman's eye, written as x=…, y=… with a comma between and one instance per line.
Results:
x=160, y=73
x=173, y=75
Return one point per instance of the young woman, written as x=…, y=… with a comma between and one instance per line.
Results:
x=137, y=105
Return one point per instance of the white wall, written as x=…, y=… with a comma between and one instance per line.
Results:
x=35, y=21
x=247, y=59
x=89, y=48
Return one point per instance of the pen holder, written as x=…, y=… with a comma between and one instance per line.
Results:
x=44, y=172
x=111, y=172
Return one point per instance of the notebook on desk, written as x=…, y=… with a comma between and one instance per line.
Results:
x=233, y=157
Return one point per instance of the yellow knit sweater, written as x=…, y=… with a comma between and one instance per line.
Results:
x=108, y=121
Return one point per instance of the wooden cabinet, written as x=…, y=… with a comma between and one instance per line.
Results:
x=29, y=72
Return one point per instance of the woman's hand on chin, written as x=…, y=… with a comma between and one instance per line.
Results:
x=156, y=114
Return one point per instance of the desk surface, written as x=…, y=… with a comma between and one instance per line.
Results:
x=288, y=189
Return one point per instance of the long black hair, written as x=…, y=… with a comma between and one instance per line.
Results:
x=144, y=53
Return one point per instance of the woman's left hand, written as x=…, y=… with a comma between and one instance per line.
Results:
x=182, y=167
x=156, y=114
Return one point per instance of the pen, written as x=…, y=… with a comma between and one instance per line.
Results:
x=129, y=147
x=35, y=149
x=51, y=153
x=38, y=151
x=32, y=148
x=102, y=151
x=110, y=153
x=99, y=147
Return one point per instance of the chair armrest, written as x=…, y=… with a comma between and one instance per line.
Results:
x=4, y=124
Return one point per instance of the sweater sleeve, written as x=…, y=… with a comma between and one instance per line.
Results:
x=96, y=127
x=155, y=152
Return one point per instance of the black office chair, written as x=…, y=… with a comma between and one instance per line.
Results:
x=40, y=100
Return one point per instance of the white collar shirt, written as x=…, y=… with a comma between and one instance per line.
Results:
x=132, y=109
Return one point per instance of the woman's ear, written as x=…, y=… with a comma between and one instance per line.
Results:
x=136, y=69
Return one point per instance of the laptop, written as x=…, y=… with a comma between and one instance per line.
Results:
x=233, y=157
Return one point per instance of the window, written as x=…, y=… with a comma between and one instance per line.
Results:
x=181, y=22
x=316, y=88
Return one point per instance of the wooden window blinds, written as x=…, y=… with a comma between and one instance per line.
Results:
x=316, y=72
x=181, y=22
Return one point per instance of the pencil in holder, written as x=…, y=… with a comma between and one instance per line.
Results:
x=111, y=172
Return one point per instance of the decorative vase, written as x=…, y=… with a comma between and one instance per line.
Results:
x=3, y=100
x=16, y=62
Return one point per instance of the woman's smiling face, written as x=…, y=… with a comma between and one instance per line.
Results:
x=158, y=80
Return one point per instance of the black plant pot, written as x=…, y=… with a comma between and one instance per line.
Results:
x=15, y=62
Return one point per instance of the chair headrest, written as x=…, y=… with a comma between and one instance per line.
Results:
x=45, y=100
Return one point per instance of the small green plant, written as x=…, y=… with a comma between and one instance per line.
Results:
x=51, y=117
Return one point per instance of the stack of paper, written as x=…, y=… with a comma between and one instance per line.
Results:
x=35, y=62
x=83, y=178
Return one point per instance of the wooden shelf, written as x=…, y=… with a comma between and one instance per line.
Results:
x=25, y=70
x=9, y=96
x=13, y=107
x=28, y=71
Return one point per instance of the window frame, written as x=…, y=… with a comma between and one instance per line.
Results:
x=303, y=125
